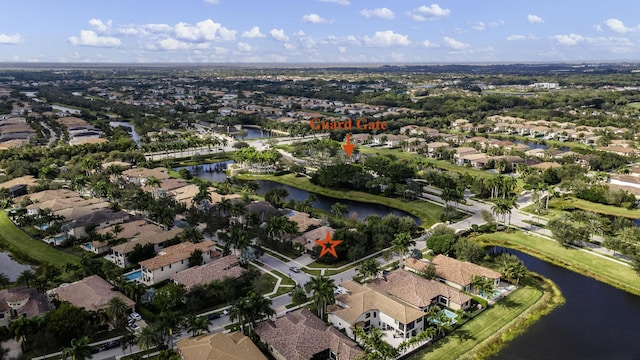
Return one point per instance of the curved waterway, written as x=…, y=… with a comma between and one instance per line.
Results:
x=597, y=321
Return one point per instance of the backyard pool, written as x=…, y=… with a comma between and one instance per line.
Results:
x=134, y=275
x=449, y=314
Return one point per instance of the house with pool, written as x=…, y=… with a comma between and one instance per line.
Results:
x=141, y=233
x=395, y=303
x=174, y=259
x=453, y=272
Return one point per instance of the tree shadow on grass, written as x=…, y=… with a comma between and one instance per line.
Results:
x=508, y=303
x=463, y=335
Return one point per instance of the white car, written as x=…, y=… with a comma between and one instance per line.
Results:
x=135, y=327
x=135, y=316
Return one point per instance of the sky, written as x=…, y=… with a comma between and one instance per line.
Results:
x=319, y=31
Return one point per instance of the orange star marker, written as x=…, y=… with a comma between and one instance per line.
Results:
x=328, y=245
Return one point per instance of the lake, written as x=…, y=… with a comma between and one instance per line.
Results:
x=255, y=133
x=360, y=209
x=10, y=267
x=597, y=321
x=129, y=127
x=535, y=145
x=213, y=172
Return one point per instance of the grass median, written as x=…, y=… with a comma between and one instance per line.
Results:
x=427, y=212
x=583, y=262
x=26, y=248
x=574, y=203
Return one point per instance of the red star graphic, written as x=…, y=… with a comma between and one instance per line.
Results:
x=328, y=245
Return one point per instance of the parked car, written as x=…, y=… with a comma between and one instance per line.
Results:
x=294, y=269
x=134, y=315
x=213, y=316
x=110, y=345
x=135, y=327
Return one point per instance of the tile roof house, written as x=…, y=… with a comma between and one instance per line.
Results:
x=301, y=335
x=91, y=293
x=308, y=238
x=140, y=232
x=453, y=272
x=219, y=269
x=175, y=258
x=219, y=346
x=304, y=220
x=21, y=301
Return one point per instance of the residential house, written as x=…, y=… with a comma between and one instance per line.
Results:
x=139, y=176
x=153, y=234
x=433, y=146
x=219, y=269
x=219, y=346
x=303, y=219
x=301, y=335
x=475, y=160
x=21, y=301
x=462, y=151
x=453, y=272
x=308, y=239
x=92, y=293
x=173, y=259
x=19, y=186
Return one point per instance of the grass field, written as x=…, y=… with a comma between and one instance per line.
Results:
x=26, y=248
x=427, y=212
x=620, y=276
x=571, y=202
x=465, y=338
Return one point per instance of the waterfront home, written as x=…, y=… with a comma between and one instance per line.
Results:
x=453, y=272
x=219, y=269
x=308, y=239
x=301, y=335
x=152, y=234
x=219, y=346
x=92, y=293
x=139, y=176
x=20, y=302
x=173, y=259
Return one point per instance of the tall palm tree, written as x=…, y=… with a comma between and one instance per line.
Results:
x=197, y=325
x=339, y=209
x=239, y=239
x=78, y=350
x=147, y=339
x=401, y=244
x=321, y=289
x=368, y=268
x=224, y=206
x=117, y=312
x=27, y=277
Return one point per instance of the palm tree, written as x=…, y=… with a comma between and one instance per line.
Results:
x=224, y=206
x=197, y=325
x=321, y=289
x=79, y=349
x=368, y=268
x=339, y=209
x=482, y=285
x=239, y=239
x=117, y=312
x=401, y=244
x=375, y=347
x=147, y=339
x=27, y=277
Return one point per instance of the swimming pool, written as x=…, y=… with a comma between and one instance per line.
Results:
x=134, y=275
x=449, y=314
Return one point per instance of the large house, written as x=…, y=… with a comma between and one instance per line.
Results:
x=396, y=303
x=143, y=233
x=21, y=302
x=219, y=346
x=173, y=259
x=91, y=293
x=219, y=269
x=453, y=272
x=301, y=335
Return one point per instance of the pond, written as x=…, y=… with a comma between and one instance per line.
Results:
x=213, y=172
x=10, y=267
x=129, y=127
x=255, y=133
x=356, y=208
x=598, y=321
x=536, y=145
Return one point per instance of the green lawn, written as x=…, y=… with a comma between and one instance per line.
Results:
x=427, y=212
x=620, y=276
x=24, y=247
x=571, y=202
x=465, y=338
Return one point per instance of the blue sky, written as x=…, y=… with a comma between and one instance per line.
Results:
x=319, y=31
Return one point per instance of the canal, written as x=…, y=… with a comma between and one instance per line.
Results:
x=10, y=267
x=597, y=321
x=129, y=128
x=215, y=172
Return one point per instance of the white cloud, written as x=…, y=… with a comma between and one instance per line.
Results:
x=339, y=2
x=253, y=33
x=99, y=25
x=480, y=26
x=243, y=47
x=516, y=37
x=314, y=19
x=384, y=13
x=90, y=38
x=290, y=46
x=431, y=12
x=212, y=2
x=387, y=38
x=534, y=19
x=455, y=44
x=570, y=39
x=206, y=30
x=617, y=26
x=10, y=39
x=172, y=44
x=429, y=44
x=342, y=49
x=299, y=33
x=278, y=34
x=597, y=28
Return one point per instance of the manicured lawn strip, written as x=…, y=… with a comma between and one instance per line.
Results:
x=285, y=279
x=620, y=276
x=26, y=248
x=571, y=202
x=429, y=213
x=481, y=327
